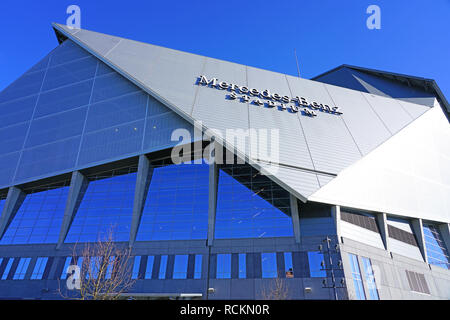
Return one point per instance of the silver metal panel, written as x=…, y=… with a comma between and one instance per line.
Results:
x=396, y=178
x=390, y=112
x=330, y=143
x=103, y=43
x=415, y=110
x=405, y=249
x=359, y=234
x=363, y=123
x=293, y=148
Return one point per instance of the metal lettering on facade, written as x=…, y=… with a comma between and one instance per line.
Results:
x=270, y=100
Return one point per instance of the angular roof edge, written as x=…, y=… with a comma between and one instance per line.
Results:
x=266, y=169
x=423, y=83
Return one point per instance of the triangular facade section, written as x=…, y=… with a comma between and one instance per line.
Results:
x=71, y=111
x=317, y=148
x=407, y=176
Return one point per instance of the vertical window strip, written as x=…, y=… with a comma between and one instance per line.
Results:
x=163, y=267
x=149, y=267
x=39, y=268
x=21, y=269
x=370, y=279
x=65, y=268
x=242, y=266
x=223, y=266
x=269, y=265
x=198, y=266
x=356, y=275
x=110, y=267
x=288, y=266
x=437, y=252
x=180, y=267
x=136, y=265
x=8, y=267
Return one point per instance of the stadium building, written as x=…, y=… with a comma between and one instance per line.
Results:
x=350, y=201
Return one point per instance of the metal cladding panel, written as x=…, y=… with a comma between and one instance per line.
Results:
x=396, y=178
x=212, y=107
x=330, y=143
x=364, y=124
x=414, y=109
x=102, y=43
x=300, y=183
x=292, y=148
x=171, y=77
x=390, y=112
x=359, y=234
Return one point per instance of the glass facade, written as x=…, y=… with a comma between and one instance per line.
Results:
x=269, y=265
x=180, y=266
x=249, y=205
x=106, y=207
x=21, y=268
x=176, y=207
x=437, y=252
x=39, y=218
x=71, y=110
x=39, y=268
x=356, y=275
x=370, y=279
x=223, y=266
x=315, y=259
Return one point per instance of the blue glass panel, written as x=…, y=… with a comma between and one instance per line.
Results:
x=52, y=157
x=149, y=267
x=39, y=268
x=370, y=278
x=7, y=269
x=180, y=266
x=288, y=266
x=249, y=205
x=39, y=218
x=106, y=208
x=111, y=142
x=103, y=69
x=8, y=165
x=315, y=265
x=56, y=127
x=66, y=52
x=70, y=73
x=41, y=65
x=223, y=266
x=2, y=203
x=110, y=86
x=115, y=112
x=21, y=268
x=161, y=122
x=437, y=252
x=136, y=265
x=17, y=111
x=242, y=266
x=66, y=266
x=356, y=275
x=162, y=267
x=269, y=265
x=13, y=137
x=26, y=85
x=64, y=99
x=176, y=207
x=198, y=266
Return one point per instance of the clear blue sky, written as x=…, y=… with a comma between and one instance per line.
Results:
x=414, y=36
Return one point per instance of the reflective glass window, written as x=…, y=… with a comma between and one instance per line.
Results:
x=21, y=269
x=39, y=218
x=39, y=268
x=176, y=207
x=249, y=205
x=356, y=275
x=288, y=266
x=149, y=267
x=198, y=266
x=242, y=266
x=437, y=252
x=223, y=266
x=370, y=279
x=64, y=271
x=269, y=265
x=106, y=207
x=180, y=266
x=136, y=265
x=315, y=259
x=163, y=267
x=7, y=269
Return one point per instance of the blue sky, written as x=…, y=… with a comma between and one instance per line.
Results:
x=413, y=39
